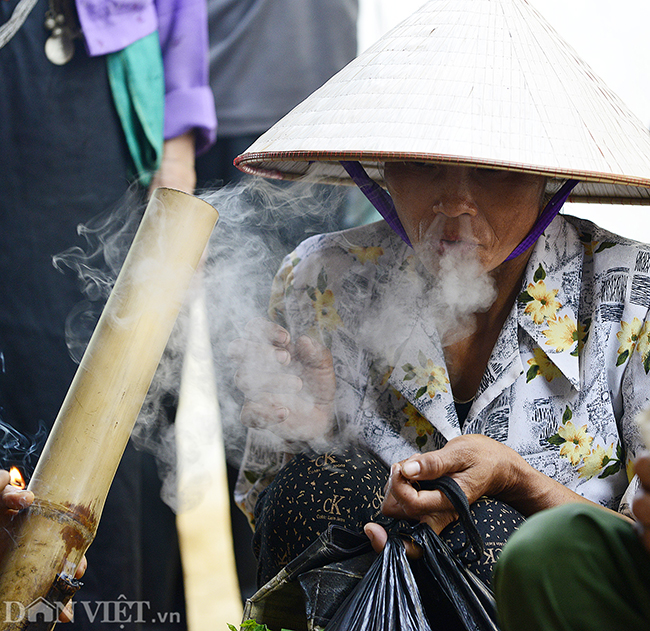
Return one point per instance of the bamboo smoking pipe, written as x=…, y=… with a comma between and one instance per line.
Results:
x=84, y=448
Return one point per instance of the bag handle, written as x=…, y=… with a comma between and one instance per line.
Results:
x=457, y=497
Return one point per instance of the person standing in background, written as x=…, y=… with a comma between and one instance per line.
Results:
x=96, y=99
x=265, y=57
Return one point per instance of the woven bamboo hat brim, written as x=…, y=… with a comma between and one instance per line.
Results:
x=479, y=82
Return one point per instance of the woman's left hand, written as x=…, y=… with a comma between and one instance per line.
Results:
x=480, y=465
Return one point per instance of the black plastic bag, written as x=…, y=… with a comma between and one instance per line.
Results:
x=390, y=597
x=387, y=598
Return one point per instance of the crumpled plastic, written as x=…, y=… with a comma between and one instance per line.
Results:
x=387, y=598
x=434, y=593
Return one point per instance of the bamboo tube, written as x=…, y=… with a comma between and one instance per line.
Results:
x=78, y=463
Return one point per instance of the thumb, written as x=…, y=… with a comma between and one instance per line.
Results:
x=428, y=466
x=377, y=536
x=311, y=353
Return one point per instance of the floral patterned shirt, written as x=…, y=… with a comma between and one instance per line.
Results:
x=565, y=380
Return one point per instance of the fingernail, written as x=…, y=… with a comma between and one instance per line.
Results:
x=411, y=468
x=282, y=337
x=369, y=534
x=283, y=414
x=282, y=356
x=23, y=502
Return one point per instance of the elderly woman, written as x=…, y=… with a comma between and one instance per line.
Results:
x=474, y=333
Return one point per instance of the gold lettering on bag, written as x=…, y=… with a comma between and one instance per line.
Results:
x=377, y=500
x=333, y=504
x=324, y=460
x=489, y=555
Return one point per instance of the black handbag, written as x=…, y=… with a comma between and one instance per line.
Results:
x=305, y=594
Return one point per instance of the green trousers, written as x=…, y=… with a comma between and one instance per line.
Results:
x=571, y=568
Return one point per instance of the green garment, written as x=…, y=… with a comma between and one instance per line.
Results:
x=137, y=82
x=574, y=568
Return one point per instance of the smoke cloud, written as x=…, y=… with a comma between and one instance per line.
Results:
x=260, y=222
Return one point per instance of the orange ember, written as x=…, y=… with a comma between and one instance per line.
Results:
x=16, y=478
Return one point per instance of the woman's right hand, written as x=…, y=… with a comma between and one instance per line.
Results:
x=289, y=386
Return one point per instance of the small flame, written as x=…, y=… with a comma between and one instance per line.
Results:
x=16, y=478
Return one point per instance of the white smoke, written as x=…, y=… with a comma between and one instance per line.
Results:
x=260, y=221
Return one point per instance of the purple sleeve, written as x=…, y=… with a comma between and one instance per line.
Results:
x=111, y=26
x=189, y=102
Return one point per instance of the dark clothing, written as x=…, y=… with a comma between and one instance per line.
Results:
x=574, y=568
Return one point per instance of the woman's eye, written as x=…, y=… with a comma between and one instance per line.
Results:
x=491, y=173
x=427, y=167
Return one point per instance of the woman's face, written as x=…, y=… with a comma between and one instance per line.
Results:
x=469, y=211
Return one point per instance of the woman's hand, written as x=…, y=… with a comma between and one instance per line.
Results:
x=177, y=168
x=67, y=613
x=289, y=386
x=12, y=498
x=482, y=467
x=641, y=503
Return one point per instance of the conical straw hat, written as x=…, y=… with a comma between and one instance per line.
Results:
x=483, y=82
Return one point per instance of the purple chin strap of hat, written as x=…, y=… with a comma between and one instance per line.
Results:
x=382, y=201
x=377, y=196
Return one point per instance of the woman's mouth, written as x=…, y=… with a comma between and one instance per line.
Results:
x=456, y=245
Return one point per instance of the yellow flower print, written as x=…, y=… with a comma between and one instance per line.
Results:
x=596, y=461
x=643, y=343
x=363, y=255
x=431, y=378
x=576, y=442
x=643, y=346
x=628, y=337
x=326, y=315
x=542, y=304
x=581, y=335
x=415, y=419
x=561, y=334
x=540, y=364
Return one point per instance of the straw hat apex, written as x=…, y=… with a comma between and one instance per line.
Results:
x=481, y=82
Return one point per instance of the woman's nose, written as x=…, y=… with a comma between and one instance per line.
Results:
x=455, y=193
